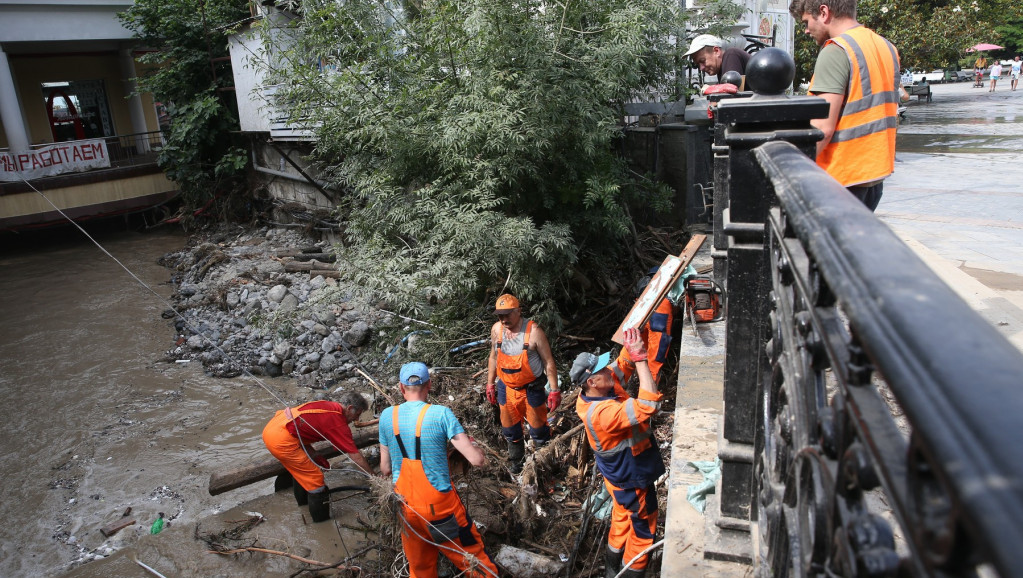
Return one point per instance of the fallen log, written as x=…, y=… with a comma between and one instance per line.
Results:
x=325, y=273
x=322, y=257
x=111, y=529
x=242, y=476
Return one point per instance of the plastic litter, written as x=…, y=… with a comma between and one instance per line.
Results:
x=697, y=493
x=157, y=526
x=599, y=504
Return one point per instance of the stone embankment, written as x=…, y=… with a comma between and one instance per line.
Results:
x=266, y=302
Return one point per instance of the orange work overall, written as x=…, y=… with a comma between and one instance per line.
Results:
x=435, y=521
x=658, y=336
x=521, y=394
x=287, y=449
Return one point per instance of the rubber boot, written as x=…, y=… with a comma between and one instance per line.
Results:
x=516, y=456
x=319, y=505
x=301, y=495
x=283, y=481
x=633, y=573
x=612, y=563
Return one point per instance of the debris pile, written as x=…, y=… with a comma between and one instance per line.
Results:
x=266, y=302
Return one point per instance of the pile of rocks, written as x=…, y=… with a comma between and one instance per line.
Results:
x=238, y=309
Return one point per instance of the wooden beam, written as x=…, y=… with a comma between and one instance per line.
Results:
x=242, y=476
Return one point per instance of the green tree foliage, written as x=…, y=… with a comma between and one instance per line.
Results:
x=1011, y=36
x=203, y=155
x=928, y=33
x=476, y=140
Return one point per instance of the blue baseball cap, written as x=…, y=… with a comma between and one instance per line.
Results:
x=586, y=364
x=414, y=373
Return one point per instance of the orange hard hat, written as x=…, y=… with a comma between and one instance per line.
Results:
x=506, y=304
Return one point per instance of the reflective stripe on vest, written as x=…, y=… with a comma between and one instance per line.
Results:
x=862, y=149
x=638, y=434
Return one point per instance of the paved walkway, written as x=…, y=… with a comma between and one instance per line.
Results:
x=956, y=198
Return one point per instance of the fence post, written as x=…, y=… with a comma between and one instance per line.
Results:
x=744, y=124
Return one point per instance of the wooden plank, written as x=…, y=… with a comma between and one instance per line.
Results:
x=667, y=275
x=242, y=476
x=111, y=529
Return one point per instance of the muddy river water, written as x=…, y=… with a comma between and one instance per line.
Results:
x=95, y=422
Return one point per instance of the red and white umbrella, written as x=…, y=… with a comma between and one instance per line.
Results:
x=984, y=46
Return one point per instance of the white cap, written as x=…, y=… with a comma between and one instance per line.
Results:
x=703, y=41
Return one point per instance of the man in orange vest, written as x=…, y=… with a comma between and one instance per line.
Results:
x=618, y=429
x=291, y=433
x=413, y=445
x=857, y=73
x=521, y=377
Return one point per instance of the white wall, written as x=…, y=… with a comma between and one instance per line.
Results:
x=56, y=20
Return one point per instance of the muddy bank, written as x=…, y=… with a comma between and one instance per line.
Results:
x=274, y=334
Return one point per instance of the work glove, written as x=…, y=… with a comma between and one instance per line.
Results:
x=723, y=88
x=634, y=344
x=553, y=400
x=492, y=393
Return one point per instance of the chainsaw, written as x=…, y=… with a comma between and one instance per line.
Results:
x=703, y=299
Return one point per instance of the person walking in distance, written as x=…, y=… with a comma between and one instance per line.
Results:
x=618, y=429
x=996, y=73
x=857, y=73
x=1014, y=72
x=413, y=450
x=522, y=378
x=290, y=436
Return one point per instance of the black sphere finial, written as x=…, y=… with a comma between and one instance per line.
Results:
x=770, y=71
x=732, y=77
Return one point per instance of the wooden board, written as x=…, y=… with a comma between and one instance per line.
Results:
x=663, y=280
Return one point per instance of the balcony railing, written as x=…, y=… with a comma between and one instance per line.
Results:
x=68, y=157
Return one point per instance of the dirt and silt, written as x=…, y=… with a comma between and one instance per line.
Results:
x=184, y=423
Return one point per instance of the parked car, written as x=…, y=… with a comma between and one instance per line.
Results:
x=931, y=77
x=959, y=75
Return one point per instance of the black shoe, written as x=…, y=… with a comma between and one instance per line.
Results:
x=612, y=563
x=301, y=495
x=319, y=505
x=516, y=456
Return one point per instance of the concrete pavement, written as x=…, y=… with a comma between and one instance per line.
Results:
x=956, y=199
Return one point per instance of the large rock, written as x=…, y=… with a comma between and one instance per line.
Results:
x=283, y=349
x=357, y=334
x=277, y=293
x=330, y=343
x=328, y=363
x=324, y=316
x=289, y=303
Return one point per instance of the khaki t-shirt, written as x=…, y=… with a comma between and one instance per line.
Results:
x=831, y=73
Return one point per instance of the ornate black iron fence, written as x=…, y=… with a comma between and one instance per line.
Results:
x=827, y=308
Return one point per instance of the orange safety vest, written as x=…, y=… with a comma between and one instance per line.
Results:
x=862, y=150
x=514, y=370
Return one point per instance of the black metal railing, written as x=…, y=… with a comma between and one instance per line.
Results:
x=953, y=474
x=131, y=150
x=872, y=418
x=126, y=150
